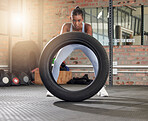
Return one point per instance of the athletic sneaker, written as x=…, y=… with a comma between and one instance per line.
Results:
x=48, y=94
x=102, y=93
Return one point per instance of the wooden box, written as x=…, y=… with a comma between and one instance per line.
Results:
x=64, y=77
x=37, y=78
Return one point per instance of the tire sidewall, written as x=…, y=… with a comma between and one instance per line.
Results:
x=66, y=39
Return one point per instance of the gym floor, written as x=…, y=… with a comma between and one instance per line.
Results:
x=29, y=103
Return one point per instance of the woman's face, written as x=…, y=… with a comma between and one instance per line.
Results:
x=77, y=21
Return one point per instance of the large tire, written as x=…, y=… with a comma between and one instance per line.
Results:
x=25, y=56
x=46, y=61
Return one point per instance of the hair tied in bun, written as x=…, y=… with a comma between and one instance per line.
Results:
x=77, y=7
x=77, y=11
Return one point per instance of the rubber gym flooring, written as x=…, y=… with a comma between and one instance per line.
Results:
x=29, y=103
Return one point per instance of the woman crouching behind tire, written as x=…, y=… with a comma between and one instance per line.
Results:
x=77, y=25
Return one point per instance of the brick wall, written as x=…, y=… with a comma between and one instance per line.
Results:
x=133, y=56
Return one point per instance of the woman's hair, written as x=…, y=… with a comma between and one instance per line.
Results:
x=77, y=11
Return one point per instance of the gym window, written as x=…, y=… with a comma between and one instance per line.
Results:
x=128, y=18
x=97, y=17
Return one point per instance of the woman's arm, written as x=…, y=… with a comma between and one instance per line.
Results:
x=64, y=28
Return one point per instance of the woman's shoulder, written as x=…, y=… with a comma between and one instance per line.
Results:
x=67, y=25
x=87, y=25
x=88, y=28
